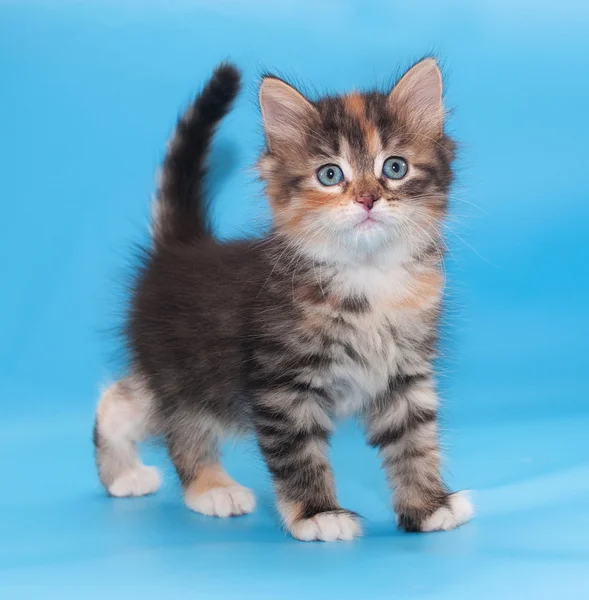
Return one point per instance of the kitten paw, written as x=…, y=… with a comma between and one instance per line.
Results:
x=228, y=501
x=327, y=527
x=139, y=481
x=456, y=511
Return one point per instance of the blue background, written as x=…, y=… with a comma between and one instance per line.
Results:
x=88, y=95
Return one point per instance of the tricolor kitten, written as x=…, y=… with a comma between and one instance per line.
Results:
x=335, y=313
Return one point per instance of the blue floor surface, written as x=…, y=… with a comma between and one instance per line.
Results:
x=88, y=94
x=62, y=538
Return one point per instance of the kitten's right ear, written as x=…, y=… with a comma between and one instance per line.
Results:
x=284, y=112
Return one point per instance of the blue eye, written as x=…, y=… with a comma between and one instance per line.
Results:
x=330, y=175
x=394, y=167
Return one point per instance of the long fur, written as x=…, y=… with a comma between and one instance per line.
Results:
x=328, y=316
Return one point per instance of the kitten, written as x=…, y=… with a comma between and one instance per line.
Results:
x=333, y=314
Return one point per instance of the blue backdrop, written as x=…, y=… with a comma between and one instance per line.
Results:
x=88, y=95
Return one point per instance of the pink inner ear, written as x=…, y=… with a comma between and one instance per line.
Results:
x=427, y=92
x=283, y=110
x=420, y=91
x=281, y=117
x=272, y=109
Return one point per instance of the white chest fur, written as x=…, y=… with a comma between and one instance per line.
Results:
x=357, y=379
x=369, y=353
x=374, y=344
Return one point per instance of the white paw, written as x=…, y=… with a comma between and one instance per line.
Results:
x=139, y=481
x=458, y=511
x=327, y=527
x=223, y=502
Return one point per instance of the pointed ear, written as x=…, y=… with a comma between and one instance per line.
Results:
x=419, y=96
x=284, y=112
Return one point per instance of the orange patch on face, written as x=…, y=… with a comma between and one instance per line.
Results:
x=317, y=200
x=292, y=217
x=356, y=107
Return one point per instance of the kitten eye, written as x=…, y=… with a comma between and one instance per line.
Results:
x=330, y=175
x=394, y=167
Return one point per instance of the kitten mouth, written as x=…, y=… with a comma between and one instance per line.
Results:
x=368, y=221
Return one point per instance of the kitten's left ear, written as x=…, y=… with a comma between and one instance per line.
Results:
x=418, y=95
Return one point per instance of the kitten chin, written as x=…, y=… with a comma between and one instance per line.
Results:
x=334, y=313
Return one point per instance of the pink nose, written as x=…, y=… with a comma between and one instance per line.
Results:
x=367, y=200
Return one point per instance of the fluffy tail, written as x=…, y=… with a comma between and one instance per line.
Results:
x=180, y=215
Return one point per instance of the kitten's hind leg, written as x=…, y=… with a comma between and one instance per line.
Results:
x=122, y=420
x=207, y=487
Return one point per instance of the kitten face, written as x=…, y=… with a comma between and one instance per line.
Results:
x=356, y=174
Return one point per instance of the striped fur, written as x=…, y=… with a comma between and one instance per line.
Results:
x=329, y=316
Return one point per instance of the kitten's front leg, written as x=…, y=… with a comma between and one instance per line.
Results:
x=402, y=425
x=293, y=432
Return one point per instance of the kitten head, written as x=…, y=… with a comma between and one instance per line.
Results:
x=359, y=173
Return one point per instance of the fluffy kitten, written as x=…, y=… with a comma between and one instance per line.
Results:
x=334, y=313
